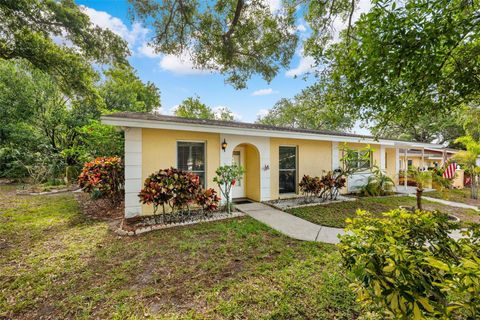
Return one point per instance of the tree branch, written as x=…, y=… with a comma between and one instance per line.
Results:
x=238, y=10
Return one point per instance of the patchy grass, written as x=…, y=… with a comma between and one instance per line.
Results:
x=457, y=195
x=57, y=263
x=334, y=214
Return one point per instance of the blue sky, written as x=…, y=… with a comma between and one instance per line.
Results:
x=177, y=80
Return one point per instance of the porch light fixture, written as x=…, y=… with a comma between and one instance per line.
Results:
x=224, y=145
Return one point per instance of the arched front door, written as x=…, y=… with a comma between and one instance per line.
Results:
x=247, y=156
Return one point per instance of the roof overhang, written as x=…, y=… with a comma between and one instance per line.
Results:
x=196, y=127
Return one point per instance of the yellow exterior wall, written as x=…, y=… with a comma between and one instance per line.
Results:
x=159, y=151
x=252, y=173
x=313, y=158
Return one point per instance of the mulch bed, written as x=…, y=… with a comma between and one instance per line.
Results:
x=101, y=209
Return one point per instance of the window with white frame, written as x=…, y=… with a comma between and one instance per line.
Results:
x=361, y=159
x=191, y=157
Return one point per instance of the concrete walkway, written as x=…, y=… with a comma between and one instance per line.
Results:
x=290, y=225
x=449, y=203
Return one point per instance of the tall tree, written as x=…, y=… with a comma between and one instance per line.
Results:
x=236, y=37
x=402, y=63
x=123, y=90
x=29, y=28
x=192, y=107
x=313, y=108
x=225, y=114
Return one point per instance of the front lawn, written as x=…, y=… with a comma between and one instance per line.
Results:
x=57, y=263
x=457, y=195
x=334, y=214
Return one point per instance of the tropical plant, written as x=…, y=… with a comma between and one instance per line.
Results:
x=103, y=178
x=226, y=177
x=378, y=184
x=207, y=199
x=422, y=180
x=469, y=160
x=311, y=187
x=409, y=267
x=173, y=187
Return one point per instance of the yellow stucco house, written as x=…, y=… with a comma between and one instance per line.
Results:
x=275, y=158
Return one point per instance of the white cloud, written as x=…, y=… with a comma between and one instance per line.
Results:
x=170, y=111
x=305, y=64
x=301, y=28
x=262, y=113
x=136, y=33
x=180, y=65
x=264, y=92
x=274, y=5
x=147, y=51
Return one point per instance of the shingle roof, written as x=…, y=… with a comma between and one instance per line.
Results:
x=228, y=124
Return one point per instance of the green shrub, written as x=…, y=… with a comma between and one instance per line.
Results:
x=226, y=177
x=408, y=266
x=378, y=184
x=208, y=199
x=311, y=187
x=178, y=190
x=103, y=178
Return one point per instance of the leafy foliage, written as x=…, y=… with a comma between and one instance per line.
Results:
x=469, y=159
x=30, y=26
x=402, y=63
x=192, y=107
x=378, y=184
x=123, y=90
x=173, y=187
x=409, y=266
x=103, y=178
x=208, y=199
x=179, y=190
x=226, y=177
x=313, y=108
x=310, y=187
x=422, y=180
x=326, y=187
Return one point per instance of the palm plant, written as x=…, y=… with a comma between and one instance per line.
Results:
x=422, y=179
x=378, y=184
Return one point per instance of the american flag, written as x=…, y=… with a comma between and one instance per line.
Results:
x=449, y=172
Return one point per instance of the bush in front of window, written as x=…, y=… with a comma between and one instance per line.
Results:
x=177, y=190
x=311, y=187
x=326, y=187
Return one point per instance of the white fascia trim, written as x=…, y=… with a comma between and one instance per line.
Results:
x=154, y=124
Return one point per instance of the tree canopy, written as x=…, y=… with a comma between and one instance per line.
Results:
x=192, y=107
x=402, y=63
x=123, y=90
x=59, y=39
x=238, y=38
x=313, y=108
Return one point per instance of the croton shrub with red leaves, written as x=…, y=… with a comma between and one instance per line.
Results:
x=178, y=190
x=103, y=178
x=208, y=199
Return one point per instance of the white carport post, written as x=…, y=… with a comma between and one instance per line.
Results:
x=423, y=158
x=405, y=165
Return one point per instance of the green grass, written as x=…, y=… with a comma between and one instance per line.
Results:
x=457, y=195
x=57, y=263
x=335, y=214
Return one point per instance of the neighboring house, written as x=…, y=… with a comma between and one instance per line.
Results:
x=275, y=158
